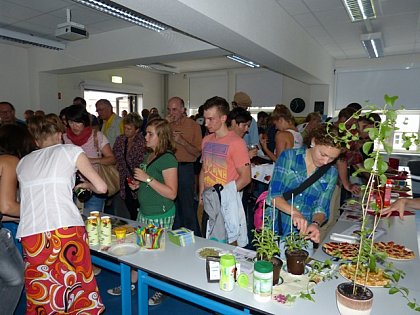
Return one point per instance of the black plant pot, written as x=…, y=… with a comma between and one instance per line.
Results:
x=277, y=264
x=349, y=303
x=296, y=261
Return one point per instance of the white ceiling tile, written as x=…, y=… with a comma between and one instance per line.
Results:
x=293, y=7
x=306, y=20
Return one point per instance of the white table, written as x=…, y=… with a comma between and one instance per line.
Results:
x=178, y=271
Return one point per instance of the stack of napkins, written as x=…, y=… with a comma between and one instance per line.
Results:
x=181, y=237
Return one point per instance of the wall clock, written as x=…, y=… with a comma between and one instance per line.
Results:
x=297, y=105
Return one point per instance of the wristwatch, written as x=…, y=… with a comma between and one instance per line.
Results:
x=149, y=179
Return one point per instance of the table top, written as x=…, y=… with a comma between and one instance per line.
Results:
x=181, y=265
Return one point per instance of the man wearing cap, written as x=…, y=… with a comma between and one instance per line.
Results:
x=241, y=99
x=187, y=136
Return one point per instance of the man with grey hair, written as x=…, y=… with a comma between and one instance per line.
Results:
x=112, y=125
x=187, y=136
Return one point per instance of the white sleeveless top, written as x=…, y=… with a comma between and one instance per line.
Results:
x=297, y=138
x=46, y=177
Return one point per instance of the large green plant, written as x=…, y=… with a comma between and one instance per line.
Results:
x=379, y=135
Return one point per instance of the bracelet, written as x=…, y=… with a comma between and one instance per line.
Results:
x=317, y=223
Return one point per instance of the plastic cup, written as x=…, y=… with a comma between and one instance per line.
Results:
x=120, y=234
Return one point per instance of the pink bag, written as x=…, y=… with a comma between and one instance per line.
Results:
x=258, y=210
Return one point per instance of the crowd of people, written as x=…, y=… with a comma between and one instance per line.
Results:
x=169, y=167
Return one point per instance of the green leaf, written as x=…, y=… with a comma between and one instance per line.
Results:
x=411, y=305
x=367, y=146
x=393, y=291
x=396, y=276
x=368, y=163
x=382, y=166
x=387, y=147
x=383, y=179
x=342, y=126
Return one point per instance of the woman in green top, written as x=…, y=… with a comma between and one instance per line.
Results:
x=157, y=178
x=157, y=182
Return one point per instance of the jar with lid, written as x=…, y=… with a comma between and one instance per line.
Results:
x=227, y=272
x=263, y=280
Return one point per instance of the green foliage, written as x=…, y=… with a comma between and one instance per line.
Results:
x=295, y=242
x=395, y=275
x=368, y=257
x=266, y=242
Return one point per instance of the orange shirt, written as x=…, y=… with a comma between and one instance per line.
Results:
x=191, y=132
x=222, y=157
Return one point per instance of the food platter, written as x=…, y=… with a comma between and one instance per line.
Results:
x=377, y=280
x=204, y=252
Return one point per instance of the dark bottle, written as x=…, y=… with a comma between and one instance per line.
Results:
x=81, y=193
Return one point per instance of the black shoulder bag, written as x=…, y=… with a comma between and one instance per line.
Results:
x=308, y=182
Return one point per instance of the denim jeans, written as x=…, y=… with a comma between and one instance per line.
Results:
x=95, y=203
x=11, y=273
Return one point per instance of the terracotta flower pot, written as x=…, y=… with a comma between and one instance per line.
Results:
x=296, y=261
x=348, y=303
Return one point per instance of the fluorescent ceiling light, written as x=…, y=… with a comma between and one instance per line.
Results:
x=121, y=12
x=359, y=10
x=23, y=38
x=372, y=42
x=243, y=61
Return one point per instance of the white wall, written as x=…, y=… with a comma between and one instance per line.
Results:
x=178, y=85
x=151, y=83
x=14, y=78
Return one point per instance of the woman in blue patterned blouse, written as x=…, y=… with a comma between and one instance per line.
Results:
x=311, y=207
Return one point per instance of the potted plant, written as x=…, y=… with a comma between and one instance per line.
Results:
x=296, y=254
x=266, y=242
x=355, y=296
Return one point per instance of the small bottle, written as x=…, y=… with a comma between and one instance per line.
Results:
x=81, y=193
x=227, y=272
x=387, y=194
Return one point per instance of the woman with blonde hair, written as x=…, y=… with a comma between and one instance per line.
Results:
x=58, y=268
x=287, y=135
x=156, y=180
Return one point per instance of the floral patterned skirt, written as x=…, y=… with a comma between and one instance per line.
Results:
x=58, y=273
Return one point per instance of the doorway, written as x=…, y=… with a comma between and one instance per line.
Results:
x=119, y=101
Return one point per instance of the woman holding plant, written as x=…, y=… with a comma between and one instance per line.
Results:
x=311, y=207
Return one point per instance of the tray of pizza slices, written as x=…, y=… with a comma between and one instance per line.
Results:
x=347, y=252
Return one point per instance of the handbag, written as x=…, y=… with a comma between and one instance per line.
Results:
x=109, y=173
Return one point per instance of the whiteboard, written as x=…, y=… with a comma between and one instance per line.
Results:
x=264, y=87
x=372, y=85
x=203, y=88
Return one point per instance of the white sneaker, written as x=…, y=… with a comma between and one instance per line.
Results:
x=117, y=290
x=157, y=298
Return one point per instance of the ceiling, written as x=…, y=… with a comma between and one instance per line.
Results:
x=324, y=20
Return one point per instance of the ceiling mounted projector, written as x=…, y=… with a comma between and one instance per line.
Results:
x=71, y=30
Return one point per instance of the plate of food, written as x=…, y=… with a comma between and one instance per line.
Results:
x=395, y=251
x=204, y=252
x=341, y=250
x=377, y=279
